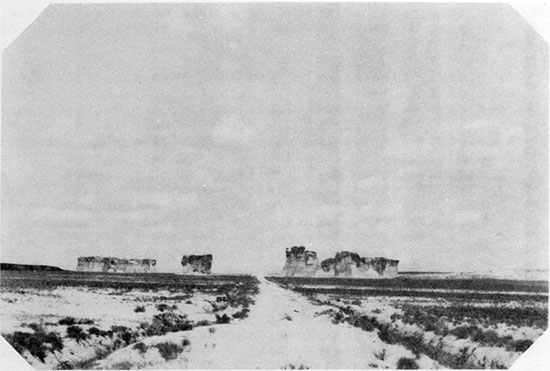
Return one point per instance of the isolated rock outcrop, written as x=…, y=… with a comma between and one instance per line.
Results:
x=111, y=264
x=349, y=264
x=196, y=264
x=300, y=262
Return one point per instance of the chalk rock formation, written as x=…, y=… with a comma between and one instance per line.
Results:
x=111, y=264
x=300, y=262
x=349, y=264
x=193, y=264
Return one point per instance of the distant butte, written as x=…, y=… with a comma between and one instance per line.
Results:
x=301, y=262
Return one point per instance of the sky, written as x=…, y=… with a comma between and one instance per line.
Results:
x=417, y=132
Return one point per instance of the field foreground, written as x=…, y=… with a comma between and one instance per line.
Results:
x=116, y=321
x=460, y=323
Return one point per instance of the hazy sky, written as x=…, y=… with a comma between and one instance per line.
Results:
x=415, y=132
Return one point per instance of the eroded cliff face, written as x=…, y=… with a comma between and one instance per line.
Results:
x=116, y=265
x=349, y=264
x=300, y=262
x=193, y=264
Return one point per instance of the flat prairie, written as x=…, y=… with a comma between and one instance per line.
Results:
x=459, y=323
x=72, y=320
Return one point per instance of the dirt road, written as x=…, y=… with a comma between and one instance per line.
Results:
x=284, y=330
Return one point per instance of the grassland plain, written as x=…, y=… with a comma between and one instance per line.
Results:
x=460, y=323
x=69, y=320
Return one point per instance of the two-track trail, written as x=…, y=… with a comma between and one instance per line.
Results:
x=284, y=330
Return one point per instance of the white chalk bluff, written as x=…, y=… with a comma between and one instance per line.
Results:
x=304, y=263
x=349, y=264
x=115, y=265
x=300, y=262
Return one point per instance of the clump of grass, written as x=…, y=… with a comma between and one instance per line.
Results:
x=364, y=322
x=488, y=337
x=241, y=314
x=414, y=343
x=124, y=334
x=162, y=307
x=69, y=321
x=76, y=333
x=522, y=345
x=167, y=322
x=223, y=319
x=142, y=348
x=463, y=332
x=123, y=365
x=170, y=351
x=387, y=335
x=407, y=364
x=97, y=332
x=139, y=309
x=37, y=344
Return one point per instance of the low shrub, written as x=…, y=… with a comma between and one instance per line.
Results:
x=69, y=321
x=522, y=345
x=118, y=328
x=223, y=319
x=65, y=365
x=463, y=332
x=122, y=365
x=76, y=333
x=241, y=314
x=407, y=364
x=167, y=322
x=487, y=337
x=37, y=344
x=364, y=322
x=162, y=307
x=142, y=348
x=387, y=335
x=170, y=351
x=124, y=334
x=97, y=332
x=414, y=343
x=139, y=309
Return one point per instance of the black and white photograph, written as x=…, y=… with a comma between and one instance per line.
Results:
x=318, y=185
